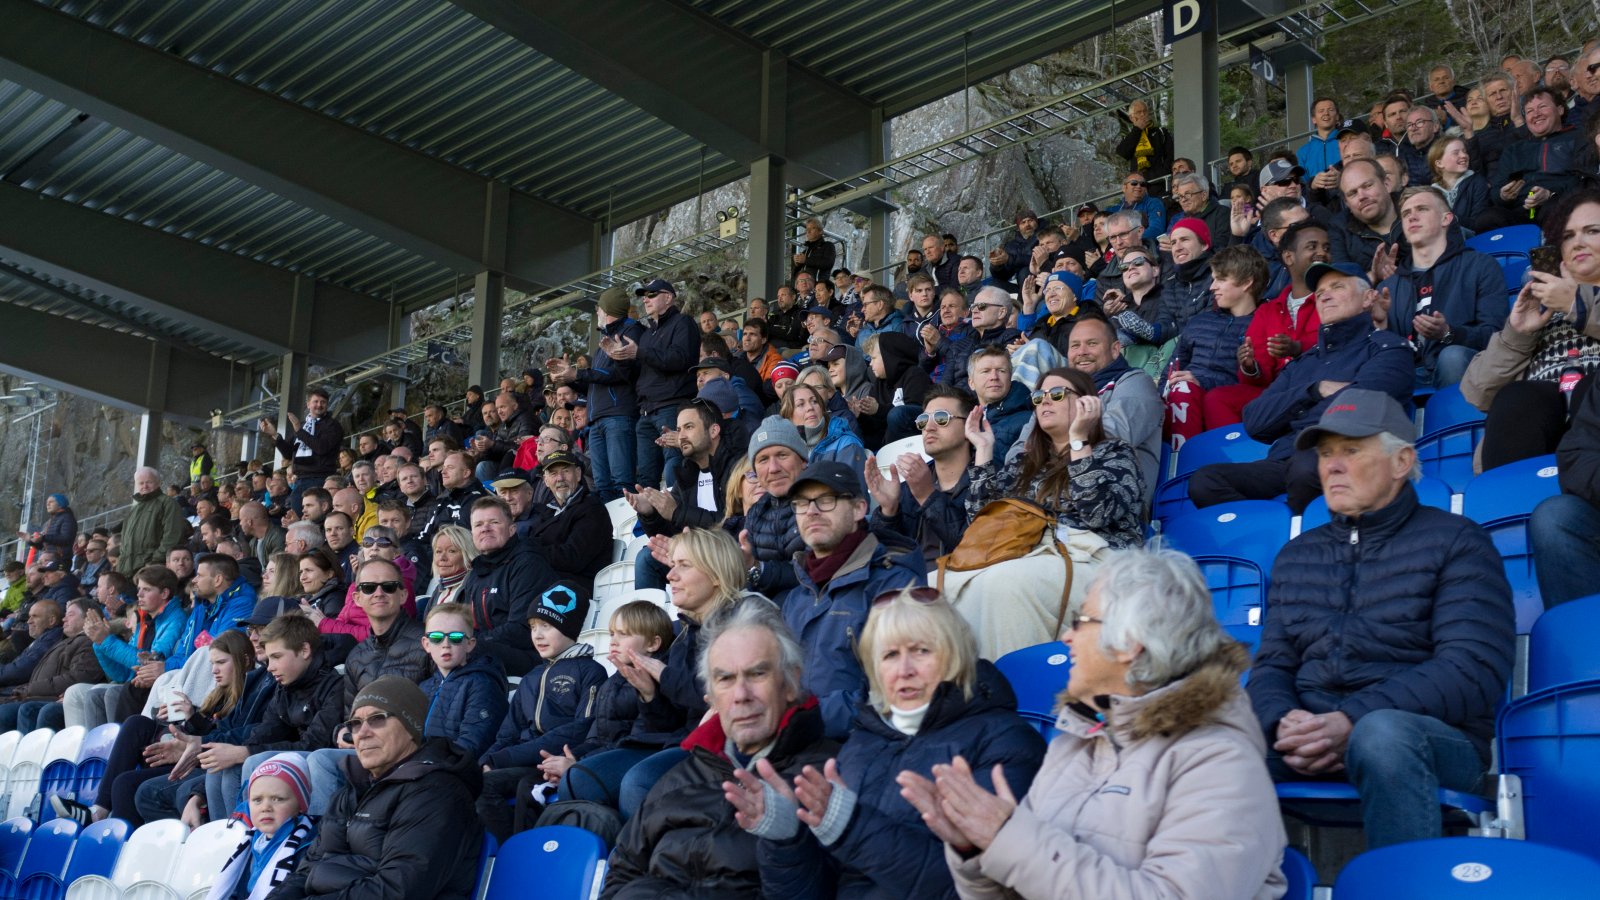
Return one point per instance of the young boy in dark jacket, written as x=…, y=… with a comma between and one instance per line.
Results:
x=558, y=693
x=590, y=766
x=1204, y=391
x=467, y=692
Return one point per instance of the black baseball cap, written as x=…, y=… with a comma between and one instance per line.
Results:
x=711, y=362
x=655, y=286
x=1320, y=270
x=560, y=458
x=1359, y=413
x=832, y=474
x=267, y=609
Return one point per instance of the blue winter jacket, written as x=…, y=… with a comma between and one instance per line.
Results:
x=937, y=526
x=828, y=620
x=1405, y=608
x=666, y=352
x=1209, y=347
x=840, y=444
x=1317, y=154
x=1155, y=216
x=770, y=523
x=1349, y=351
x=885, y=851
x=467, y=706
x=616, y=712
x=558, y=693
x=610, y=382
x=234, y=727
x=221, y=614
x=118, y=658
x=1464, y=285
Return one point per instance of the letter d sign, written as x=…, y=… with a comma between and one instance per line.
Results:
x=1182, y=18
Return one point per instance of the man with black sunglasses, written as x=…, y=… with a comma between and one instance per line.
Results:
x=926, y=499
x=1136, y=197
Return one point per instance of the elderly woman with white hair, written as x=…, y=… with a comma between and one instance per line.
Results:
x=931, y=699
x=1158, y=788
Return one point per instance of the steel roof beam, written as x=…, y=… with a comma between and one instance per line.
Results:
x=109, y=366
x=698, y=75
x=182, y=281
x=407, y=198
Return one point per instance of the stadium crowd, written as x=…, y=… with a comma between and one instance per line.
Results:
x=327, y=648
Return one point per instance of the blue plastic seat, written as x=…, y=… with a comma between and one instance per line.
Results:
x=1301, y=875
x=92, y=758
x=1430, y=492
x=1551, y=740
x=1562, y=645
x=561, y=860
x=1501, y=500
x=1469, y=867
x=1228, y=444
x=97, y=849
x=1447, y=409
x=1452, y=428
x=1036, y=675
x=1234, y=545
x=14, y=835
x=1510, y=248
x=44, y=863
x=60, y=778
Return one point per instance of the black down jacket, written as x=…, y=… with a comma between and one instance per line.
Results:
x=411, y=835
x=1405, y=608
x=684, y=841
x=397, y=651
x=885, y=851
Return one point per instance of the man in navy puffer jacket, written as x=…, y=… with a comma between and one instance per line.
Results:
x=1350, y=353
x=1389, y=635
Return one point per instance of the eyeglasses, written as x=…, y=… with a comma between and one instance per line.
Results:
x=752, y=477
x=1132, y=261
x=654, y=293
x=1077, y=620
x=375, y=721
x=1591, y=68
x=439, y=637
x=825, y=503
x=980, y=307
x=1283, y=182
x=372, y=587
x=1056, y=395
x=938, y=417
x=1133, y=184
x=1190, y=195
x=919, y=594
x=376, y=542
x=1118, y=235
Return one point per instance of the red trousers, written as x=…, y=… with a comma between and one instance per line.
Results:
x=1191, y=409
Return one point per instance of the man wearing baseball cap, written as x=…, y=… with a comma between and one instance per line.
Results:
x=1008, y=262
x=1390, y=633
x=1350, y=352
x=573, y=527
x=668, y=349
x=613, y=404
x=843, y=567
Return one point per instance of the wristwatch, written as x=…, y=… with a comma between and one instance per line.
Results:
x=1077, y=445
x=754, y=574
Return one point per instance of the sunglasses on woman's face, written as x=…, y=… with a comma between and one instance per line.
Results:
x=372, y=587
x=439, y=637
x=938, y=417
x=370, y=542
x=919, y=594
x=1056, y=395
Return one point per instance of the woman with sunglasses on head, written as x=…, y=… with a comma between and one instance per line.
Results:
x=1088, y=481
x=931, y=700
x=379, y=543
x=1152, y=708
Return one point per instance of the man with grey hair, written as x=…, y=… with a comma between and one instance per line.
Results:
x=1193, y=195
x=303, y=537
x=1389, y=634
x=1123, y=233
x=1350, y=352
x=699, y=828
x=991, y=308
x=153, y=526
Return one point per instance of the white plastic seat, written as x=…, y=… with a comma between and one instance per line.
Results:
x=634, y=546
x=893, y=450
x=619, y=549
x=93, y=887
x=600, y=640
x=8, y=746
x=614, y=580
x=150, y=890
x=203, y=855
x=27, y=767
x=150, y=853
x=65, y=744
x=622, y=518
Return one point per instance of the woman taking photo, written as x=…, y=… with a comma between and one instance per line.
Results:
x=1152, y=705
x=1086, y=481
x=1542, y=363
x=932, y=698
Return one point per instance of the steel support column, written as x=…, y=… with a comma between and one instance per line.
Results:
x=155, y=389
x=149, y=452
x=1298, y=95
x=488, y=303
x=1196, y=131
x=767, y=267
x=878, y=220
